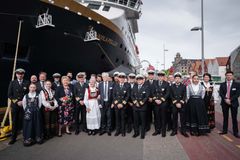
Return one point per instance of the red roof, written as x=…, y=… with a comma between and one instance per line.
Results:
x=222, y=61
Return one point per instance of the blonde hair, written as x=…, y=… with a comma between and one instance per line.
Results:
x=65, y=77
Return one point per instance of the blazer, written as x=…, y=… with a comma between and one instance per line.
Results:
x=234, y=93
x=60, y=93
x=101, y=92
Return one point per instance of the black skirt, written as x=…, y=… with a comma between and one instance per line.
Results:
x=196, y=116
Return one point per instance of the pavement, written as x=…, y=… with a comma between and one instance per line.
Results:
x=84, y=147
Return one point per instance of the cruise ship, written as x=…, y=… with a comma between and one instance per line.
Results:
x=67, y=35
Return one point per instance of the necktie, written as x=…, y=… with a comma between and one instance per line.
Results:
x=228, y=89
x=105, y=90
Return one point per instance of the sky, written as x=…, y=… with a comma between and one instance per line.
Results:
x=168, y=22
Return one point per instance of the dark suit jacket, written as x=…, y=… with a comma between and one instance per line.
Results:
x=17, y=92
x=178, y=93
x=79, y=91
x=60, y=93
x=161, y=92
x=121, y=96
x=101, y=92
x=140, y=96
x=234, y=93
x=151, y=87
x=39, y=87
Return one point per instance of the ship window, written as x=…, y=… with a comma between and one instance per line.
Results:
x=94, y=6
x=121, y=45
x=116, y=60
x=125, y=49
x=9, y=51
x=106, y=8
x=122, y=61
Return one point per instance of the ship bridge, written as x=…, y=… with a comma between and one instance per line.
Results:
x=132, y=7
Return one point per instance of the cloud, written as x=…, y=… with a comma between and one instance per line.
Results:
x=169, y=22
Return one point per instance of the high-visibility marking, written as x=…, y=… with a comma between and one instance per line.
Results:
x=227, y=138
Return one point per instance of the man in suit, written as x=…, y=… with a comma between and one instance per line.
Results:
x=139, y=95
x=161, y=92
x=79, y=92
x=16, y=91
x=40, y=84
x=105, y=91
x=121, y=94
x=56, y=81
x=150, y=82
x=178, y=96
x=129, y=110
x=169, y=120
x=229, y=93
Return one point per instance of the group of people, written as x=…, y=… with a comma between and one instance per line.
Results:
x=123, y=102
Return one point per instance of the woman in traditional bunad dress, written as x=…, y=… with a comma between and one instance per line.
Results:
x=32, y=125
x=92, y=106
x=196, y=114
x=210, y=98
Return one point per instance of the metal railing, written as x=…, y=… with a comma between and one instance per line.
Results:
x=133, y=4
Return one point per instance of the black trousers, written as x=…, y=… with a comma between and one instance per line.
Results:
x=129, y=117
x=80, y=110
x=169, y=118
x=17, y=120
x=234, y=112
x=106, y=117
x=149, y=115
x=175, y=112
x=120, y=119
x=139, y=118
x=50, y=118
x=160, y=119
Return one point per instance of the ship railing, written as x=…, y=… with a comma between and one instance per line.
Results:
x=131, y=4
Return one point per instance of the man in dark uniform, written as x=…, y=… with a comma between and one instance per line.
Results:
x=16, y=91
x=40, y=84
x=169, y=120
x=161, y=92
x=150, y=82
x=56, y=81
x=121, y=94
x=129, y=110
x=115, y=82
x=178, y=96
x=139, y=95
x=105, y=90
x=79, y=92
x=229, y=93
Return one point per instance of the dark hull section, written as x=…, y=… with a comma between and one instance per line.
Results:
x=56, y=49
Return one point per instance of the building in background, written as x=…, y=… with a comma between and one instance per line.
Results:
x=234, y=63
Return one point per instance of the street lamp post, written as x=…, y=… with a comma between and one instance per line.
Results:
x=164, y=52
x=202, y=35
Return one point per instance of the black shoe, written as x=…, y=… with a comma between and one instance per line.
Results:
x=68, y=133
x=142, y=136
x=117, y=134
x=89, y=133
x=173, y=133
x=94, y=133
x=236, y=135
x=59, y=135
x=102, y=133
x=12, y=141
x=129, y=130
x=155, y=133
x=135, y=135
x=184, y=134
x=77, y=132
x=169, y=129
x=163, y=134
x=192, y=133
x=222, y=133
x=85, y=130
x=109, y=133
x=123, y=134
x=40, y=142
